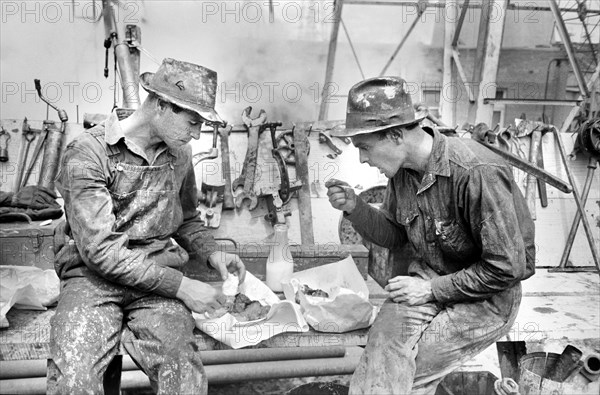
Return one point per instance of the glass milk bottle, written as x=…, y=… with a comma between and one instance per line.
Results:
x=280, y=264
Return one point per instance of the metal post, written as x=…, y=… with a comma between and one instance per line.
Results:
x=129, y=80
x=592, y=165
x=490, y=64
x=576, y=196
x=564, y=35
x=410, y=29
x=339, y=5
x=447, y=106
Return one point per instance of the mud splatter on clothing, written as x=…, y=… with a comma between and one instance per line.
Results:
x=470, y=227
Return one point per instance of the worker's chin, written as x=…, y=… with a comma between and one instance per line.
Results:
x=177, y=143
x=385, y=173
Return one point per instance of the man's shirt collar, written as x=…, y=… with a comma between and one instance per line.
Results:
x=439, y=163
x=113, y=133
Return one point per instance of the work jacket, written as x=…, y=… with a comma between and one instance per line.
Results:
x=466, y=219
x=129, y=218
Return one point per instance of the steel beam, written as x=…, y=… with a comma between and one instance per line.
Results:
x=339, y=5
x=533, y=102
x=490, y=65
x=564, y=35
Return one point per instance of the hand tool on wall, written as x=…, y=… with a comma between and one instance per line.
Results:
x=4, y=138
x=302, y=148
x=325, y=138
x=29, y=135
x=513, y=160
x=213, y=152
x=54, y=142
x=228, y=203
x=287, y=145
x=38, y=148
x=278, y=195
x=255, y=127
x=211, y=204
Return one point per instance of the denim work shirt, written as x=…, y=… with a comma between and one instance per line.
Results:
x=122, y=210
x=466, y=219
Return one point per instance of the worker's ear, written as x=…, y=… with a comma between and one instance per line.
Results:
x=161, y=105
x=396, y=135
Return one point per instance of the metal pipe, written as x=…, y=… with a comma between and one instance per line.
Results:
x=235, y=373
x=461, y=20
x=54, y=143
x=324, y=107
x=129, y=80
x=576, y=196
x=512, y=7
x=34, y=368
x=564, y=35
x=546, y=85
x=591, y=364
x=410, y=29
x=216, y=374
x=592, y=164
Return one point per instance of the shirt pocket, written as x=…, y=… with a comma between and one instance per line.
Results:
x=453, y=240
x=410, y=221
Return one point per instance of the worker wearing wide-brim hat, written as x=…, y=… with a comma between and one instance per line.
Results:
x=129, y=189
x=456, y=203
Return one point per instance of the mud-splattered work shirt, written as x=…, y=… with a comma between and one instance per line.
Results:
x=466, y=219
x=123, y=209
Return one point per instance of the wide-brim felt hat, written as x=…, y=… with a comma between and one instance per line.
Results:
x=187, y=85
x=377, y=104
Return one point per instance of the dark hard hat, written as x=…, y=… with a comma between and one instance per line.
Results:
x=377, y=104
x=186, y=85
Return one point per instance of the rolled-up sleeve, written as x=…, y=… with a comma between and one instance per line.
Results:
x=89, y=210
x=378, y=225
x=486, y=198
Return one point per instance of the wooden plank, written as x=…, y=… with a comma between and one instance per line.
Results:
x=304, y=204
x=487, y=87
x=461, y=19
x=447, y=106
x=339, y=5
x=420, y=11
x=484, y=22
x=305, y=257
x=463, y=75
x=570, y=312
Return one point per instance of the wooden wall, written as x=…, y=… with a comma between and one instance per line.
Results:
x=552, y=224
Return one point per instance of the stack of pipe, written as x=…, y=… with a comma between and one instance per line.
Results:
x=221, y=366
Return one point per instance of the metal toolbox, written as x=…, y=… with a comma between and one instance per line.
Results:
x=27, y=244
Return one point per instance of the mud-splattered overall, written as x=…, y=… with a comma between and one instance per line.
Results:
x=118, y=264
x=472, y=232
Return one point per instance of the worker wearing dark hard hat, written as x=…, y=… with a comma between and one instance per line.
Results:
x=129, y=190
x=458, y=205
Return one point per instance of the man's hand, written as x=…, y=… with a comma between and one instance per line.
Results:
x=412, y=291
x=198, y=296
x=227, y=263
x=341, y=195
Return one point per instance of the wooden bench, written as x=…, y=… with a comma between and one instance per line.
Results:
x=27, y=338
x=27, y=341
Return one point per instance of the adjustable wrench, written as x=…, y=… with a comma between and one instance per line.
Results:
x=228, y=203
x=255, y=127
x=28, y=136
